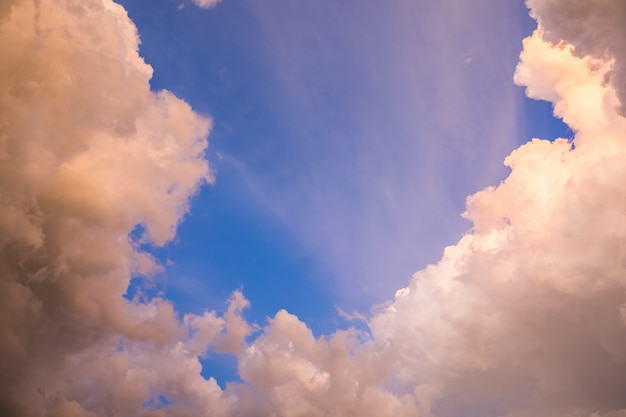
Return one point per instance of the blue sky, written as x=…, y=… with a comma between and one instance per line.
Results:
x=346, y=138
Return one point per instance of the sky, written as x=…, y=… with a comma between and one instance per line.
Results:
x=312, y=208
x=332, y=125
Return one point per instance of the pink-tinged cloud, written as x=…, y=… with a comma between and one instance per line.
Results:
x=524, y=316
x=87, y=153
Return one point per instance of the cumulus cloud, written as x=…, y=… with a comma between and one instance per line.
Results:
x=524, y=316
x=87, y=153
x=592, y=28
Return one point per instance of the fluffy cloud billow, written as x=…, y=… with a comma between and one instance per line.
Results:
x=524, y=316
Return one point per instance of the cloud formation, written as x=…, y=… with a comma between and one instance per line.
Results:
x=523, y=317
x=87, y=153
x=399, y=119
x=592, y=27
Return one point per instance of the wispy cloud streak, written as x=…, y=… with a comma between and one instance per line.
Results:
x=389, y=116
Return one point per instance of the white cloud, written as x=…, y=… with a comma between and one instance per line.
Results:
x=205, y=4
x=523, y=317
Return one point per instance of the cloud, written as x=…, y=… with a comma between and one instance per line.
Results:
x=88, y=152
x=593, y=28
x=205, y=4
x=400, y=123
x=524, y=316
